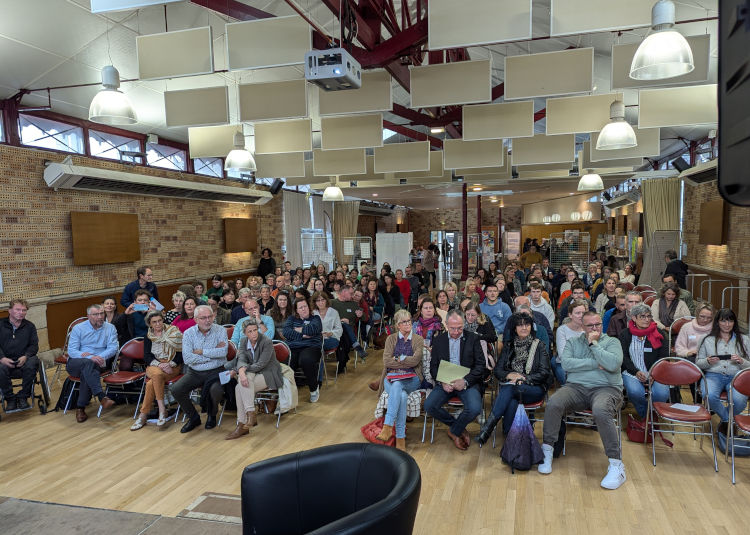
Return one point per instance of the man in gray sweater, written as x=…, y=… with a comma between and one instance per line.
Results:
x=593, y=362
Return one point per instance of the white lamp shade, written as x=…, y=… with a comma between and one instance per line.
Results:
x=110, y=106
x=575, y=216
x=333, y=194
x=587, y=214
x=665, y=53
x=617, y=134
x=546, y=220
x=590, y=182
x=555, y=218
x=239, y=158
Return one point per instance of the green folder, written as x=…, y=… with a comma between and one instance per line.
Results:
x=449, y=372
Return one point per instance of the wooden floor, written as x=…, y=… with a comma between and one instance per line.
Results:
x=101, y=463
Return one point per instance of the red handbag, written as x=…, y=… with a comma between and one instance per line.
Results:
x=373, y=429
x=636, y=431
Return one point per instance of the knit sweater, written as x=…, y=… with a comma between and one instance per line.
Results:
x=595, y=365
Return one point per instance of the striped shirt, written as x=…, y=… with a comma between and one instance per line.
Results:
x=637, y=345
x=213, y=356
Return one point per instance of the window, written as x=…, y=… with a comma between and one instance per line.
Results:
x=111, y=146
x=2, y=132
x=242, y=175
x=166, y=157
x=49, y=134
x=209, y=166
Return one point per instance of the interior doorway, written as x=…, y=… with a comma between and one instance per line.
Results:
x=446, y=240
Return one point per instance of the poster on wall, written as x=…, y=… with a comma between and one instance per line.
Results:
x=488, y=247
x=512, y=244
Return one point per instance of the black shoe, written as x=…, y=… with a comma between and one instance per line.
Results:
x=210, y=421
x=486, y=430
x=22, y=404
x=342, y=367
x=723, y=428
x=193, y=422
x=10, y=405
x=558, y=448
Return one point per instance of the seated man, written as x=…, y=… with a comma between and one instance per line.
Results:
x=462, y=348
x=619, y=320
x=132, y=323
x=593, y=362
x=538, y=304
x=91, y=344
x=350, y=313
x=204, y=354
x=252, y=309
x=576, y=292
x=18, y=348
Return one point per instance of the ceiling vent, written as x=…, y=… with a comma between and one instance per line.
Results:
x=75, y=177
x=631, y=197
x=701, y=173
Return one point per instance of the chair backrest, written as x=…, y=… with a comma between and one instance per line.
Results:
x=679, y=323
x=283, y=352
x=230, y=330
x=675, y=371
x=70, y=329
x=130, y=353
x=642, y=287
x=627, y=285
x=741, y=382
x=649, y=300
x=231, y=351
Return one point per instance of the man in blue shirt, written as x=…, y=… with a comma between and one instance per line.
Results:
x=91, y=344
x=495, y=309
x=143, y=282
x=251, y=309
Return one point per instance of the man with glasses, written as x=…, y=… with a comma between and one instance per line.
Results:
x=204, y=352
x=619, y=321
x=91, y=344
x=462, y=348
x=592, y=361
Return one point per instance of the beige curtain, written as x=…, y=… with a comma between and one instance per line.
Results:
x=661, y=211
x=346, y=217
x=296, y=217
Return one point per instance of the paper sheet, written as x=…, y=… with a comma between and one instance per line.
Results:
x=348, y=247
x=364, y=250
x=686, y=408
x=449, y=372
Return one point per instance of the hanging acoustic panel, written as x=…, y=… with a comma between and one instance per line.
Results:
x=544, y=149
x=173, y=54
x=339, y=162
x=212, y=141
x=622, y=57
x=395, y=157
x=458, y=153
x=584, y=160
x=273, y=100
x=452, y=24
x=572, y=115
x=498, y=121
x=273, y=137
x=648, y=145
x=678, y=106
x=309, y=177
x=369, y=174
x=463, y=82
x=582, y=16
x=351, y=131
x=181, y=109
x=287, y=164
x=271, y=42
x=436, y=167
x=374, y=95
x=504, y=170
x=549, y=74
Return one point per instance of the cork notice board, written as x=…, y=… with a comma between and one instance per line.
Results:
x=240, y=235
x=104, y=238
x=713, y=223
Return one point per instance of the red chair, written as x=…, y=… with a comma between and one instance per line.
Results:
x=675, y=328
x=642, y=287
x=132, y=352
x=741, y=383
x=327, y=354
x=230, y=330
x=627, y=286
x=282, y=355
x=62, y=360
x=649, y=300
x=77, y=380
x=675, y=371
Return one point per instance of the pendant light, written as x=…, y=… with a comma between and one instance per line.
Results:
x=239, y=158
x=590, y=182
x=665, y=53
x=333, y=193
x=617, y=133
x=575, y=216
x=110, y=105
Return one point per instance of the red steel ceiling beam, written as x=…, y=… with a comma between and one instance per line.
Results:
x=413, y=134
x=233, y=8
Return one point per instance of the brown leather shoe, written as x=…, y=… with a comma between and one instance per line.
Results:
x=401, y=444
x=239, y=431
x=374, y=386
x=466, y=438
x=81, y=416
x=458, y=441
x=106, y=403
x=386, y=434
x=252, y=419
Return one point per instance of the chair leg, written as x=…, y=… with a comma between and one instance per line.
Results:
x=67, y=403
x=713, y=445
x=99, y=412
x=730, y=444
x=432, y=433
x=223, y=406
x=424, y=427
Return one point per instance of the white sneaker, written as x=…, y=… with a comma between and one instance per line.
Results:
x=314, y=396
x=546, y=466
x=615, y=475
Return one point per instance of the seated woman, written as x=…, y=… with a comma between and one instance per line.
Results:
x=628, y=274
x=565, y=289
x=643, y=343
x=280, y=312
x=503, y=293
x=669, y=306
x=524, y=362
x=606, y=299
x=428, y=323
x=442, y=304
x=265, y=302
x=185, y=320
x=162, y=349
x=256, y=369
x=374, y=300
x=331, y=322
x=589, y=278
x=451, y=289
x=477, y=322
x=492, y=272
x=469, y=291
x=565, y=332
x=391, y=295
x=402, y=375
x=303, y=333
x=692, y=334
x=725, y=340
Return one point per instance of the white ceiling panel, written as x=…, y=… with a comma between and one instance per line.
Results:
x=21, y=64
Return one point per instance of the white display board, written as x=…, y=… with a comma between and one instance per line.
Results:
x=393, y=248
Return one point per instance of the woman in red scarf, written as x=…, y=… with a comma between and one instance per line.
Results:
x=428, y=323
x=643, y=343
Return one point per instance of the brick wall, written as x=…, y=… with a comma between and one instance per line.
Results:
x=421, y=222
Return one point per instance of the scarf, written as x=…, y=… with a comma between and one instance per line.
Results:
x=666, y=314
x=705, y=329
x=170, y=339
x=651, y=333
x=521, y=349
x=424, y=326
x=471, y=327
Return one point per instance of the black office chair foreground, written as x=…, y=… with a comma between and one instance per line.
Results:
x=345, y=489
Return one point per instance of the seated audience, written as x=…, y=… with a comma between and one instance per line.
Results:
x=538, y=304
x=497, y=311
x=570, y=276
x=350, y=313
x=620, y=320
x=606, y=299
x=391, y=295
x=668, y=307
x=110, y=310
x=92, y=343
x=186, y=320
x=256, y=369
x=404, y=286
x=331, y=322
x=143, y=282
x=572, y=329
x=628, y=274
x=222, y=316
x=576, y=293
x=132, y=323
x=229, y=300
x=541, y=327
x=428, y=323
x=442, y=306
x=265, y=301
x=619, y=307
x=470, y=291
x=267, y=326
x=216, y=288
x=243, y=295
x=303, y=333
x=451, y=290
x=280, y=312
x=478, y=323
x=402, y=374
x=162, y=350
x=178, y=298
x=19, y=345
x=199, y=289
x=692, y=333
x=684, y=295
x=374, y=300
x=502, y=291
x=589, y=278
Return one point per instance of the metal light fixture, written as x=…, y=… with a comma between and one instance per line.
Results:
x=555, y=218
x=239, y=158
x=665, y=53
x=590, y=182
x=575, y=216
x=110, y=105
x=617, y=133
x=587, y=214
x=333, y=193
x=546, y=220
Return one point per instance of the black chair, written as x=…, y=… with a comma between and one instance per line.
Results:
x=344, y=489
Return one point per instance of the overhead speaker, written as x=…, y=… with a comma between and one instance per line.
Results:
x=607, y=196
x=680, y=164
x=276, y=186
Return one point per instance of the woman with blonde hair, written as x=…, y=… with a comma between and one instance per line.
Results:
x=451, y=289
x=692, y=334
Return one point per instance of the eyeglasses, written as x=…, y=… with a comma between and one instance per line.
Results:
x=593, y=325
x=402, y=322
x=649, y=316
x=456, y=329
x=204, y=317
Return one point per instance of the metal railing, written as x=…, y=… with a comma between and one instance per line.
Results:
x=692, y=277
x=710, y=288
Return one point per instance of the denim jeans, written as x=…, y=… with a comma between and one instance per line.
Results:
x=471, y=398
x=637, y=393
x=717, y=383
x=558, y=370
x=398, y=392
x=349, y=333
x=506, y=402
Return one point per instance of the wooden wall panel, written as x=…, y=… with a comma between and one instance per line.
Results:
x=104, y=238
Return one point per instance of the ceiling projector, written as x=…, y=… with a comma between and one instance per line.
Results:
x=333, y=69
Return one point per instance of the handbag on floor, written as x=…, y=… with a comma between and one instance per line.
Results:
x=373, y=429
x=636, y=432
x=521, y=449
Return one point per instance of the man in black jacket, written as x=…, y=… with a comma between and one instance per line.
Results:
x=463, y=348
x=19, y=345
x=675, y=267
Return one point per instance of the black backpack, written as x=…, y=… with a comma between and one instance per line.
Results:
x=67, y=387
